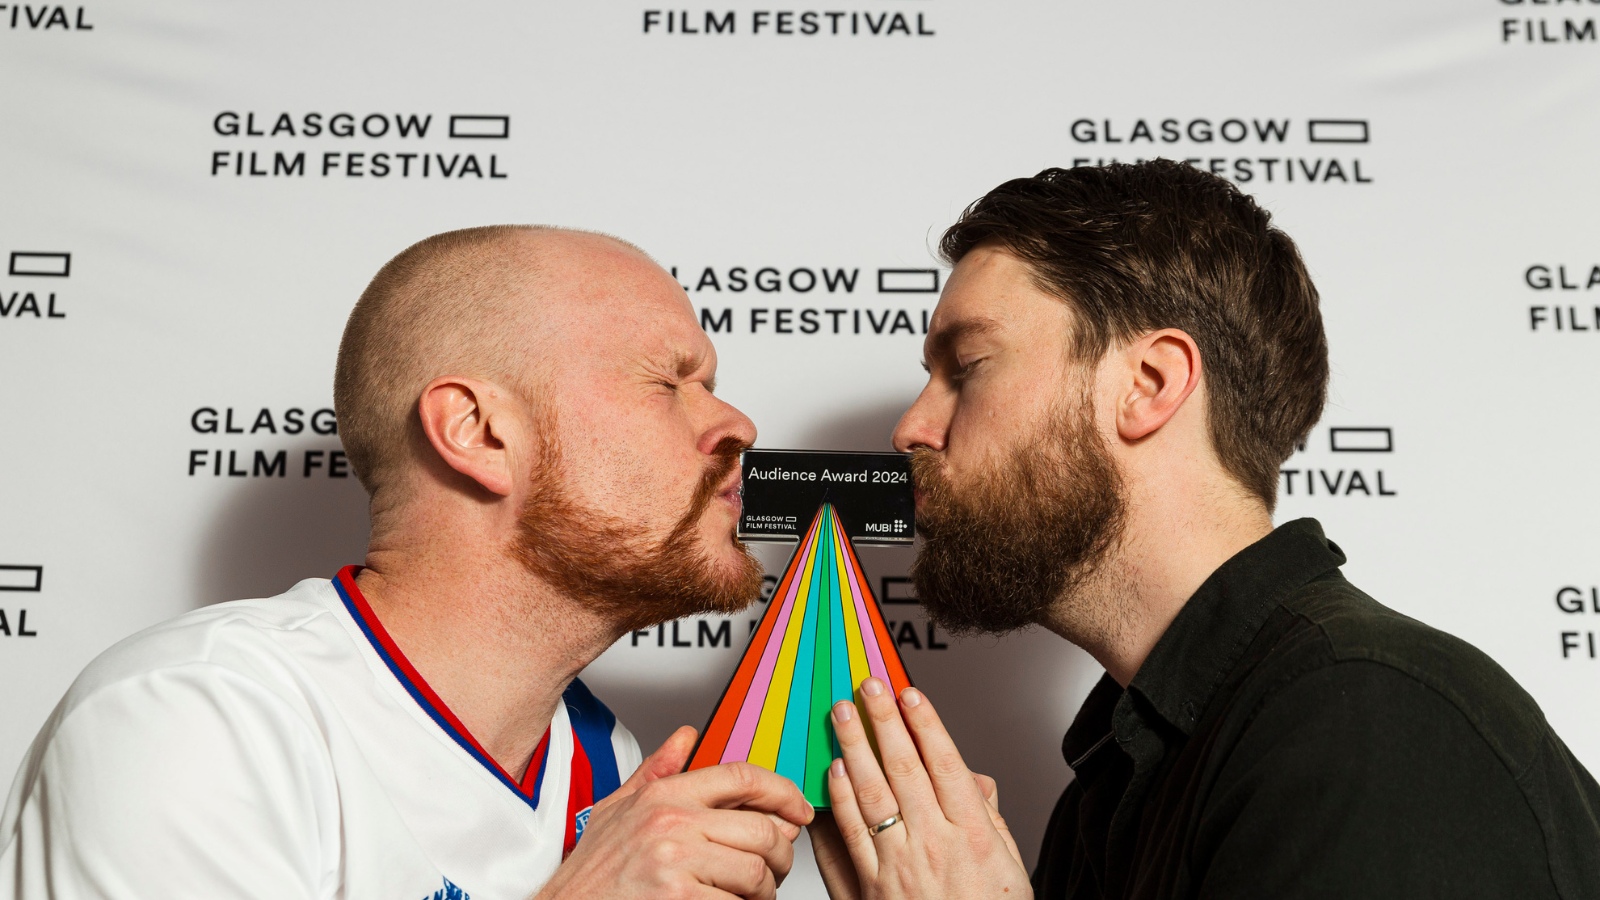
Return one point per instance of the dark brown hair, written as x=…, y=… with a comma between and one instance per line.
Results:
x=1133, y=248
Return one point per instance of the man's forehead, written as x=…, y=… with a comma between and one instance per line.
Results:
x=656, y=327
x=991, y=292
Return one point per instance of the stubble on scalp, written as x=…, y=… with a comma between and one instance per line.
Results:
x=612, y=565
x=1029, y=538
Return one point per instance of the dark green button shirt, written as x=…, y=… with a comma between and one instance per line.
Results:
x=1291, y=737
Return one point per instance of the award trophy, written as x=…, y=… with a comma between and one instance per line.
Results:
x=823, y=633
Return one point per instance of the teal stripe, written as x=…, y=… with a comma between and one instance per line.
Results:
x=797, y=718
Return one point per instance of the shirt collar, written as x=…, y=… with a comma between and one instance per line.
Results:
x=1209, y=635
x=1211, y=632
x=1091, y=727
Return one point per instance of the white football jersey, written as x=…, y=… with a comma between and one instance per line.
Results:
x=285, y=748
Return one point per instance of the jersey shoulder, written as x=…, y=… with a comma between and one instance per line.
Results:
x=199, y=733
x=258, y=640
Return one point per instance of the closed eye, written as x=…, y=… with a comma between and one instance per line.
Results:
x=964, y=372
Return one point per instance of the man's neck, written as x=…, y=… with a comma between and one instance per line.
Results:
x=1170, y=545
x=495, y=644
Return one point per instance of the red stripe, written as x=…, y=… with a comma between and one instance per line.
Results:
x=530, y=778
x=348, y=580
x=580, y=794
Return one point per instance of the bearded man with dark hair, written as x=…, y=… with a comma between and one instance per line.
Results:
x=1121, y=359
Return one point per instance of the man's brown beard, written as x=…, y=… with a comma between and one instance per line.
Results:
x=1026, y=533
x=610, y=563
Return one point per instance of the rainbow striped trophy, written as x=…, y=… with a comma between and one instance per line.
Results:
x=822, y=633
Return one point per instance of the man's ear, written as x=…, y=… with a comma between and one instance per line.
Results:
x=1163, y=369
x=466, y=422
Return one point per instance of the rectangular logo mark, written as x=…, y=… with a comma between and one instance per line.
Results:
x=44, y=265
x=1361, y=440
x=490, y=127
x=908, y=281
x=897, y=590
x=1338, y=131
x=22, y=578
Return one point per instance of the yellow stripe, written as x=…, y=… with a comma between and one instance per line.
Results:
x=852, y=628
x=769, y=729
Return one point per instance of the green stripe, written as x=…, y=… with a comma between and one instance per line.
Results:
x=819, y=745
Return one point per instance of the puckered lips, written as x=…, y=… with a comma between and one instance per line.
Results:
x=730, y=492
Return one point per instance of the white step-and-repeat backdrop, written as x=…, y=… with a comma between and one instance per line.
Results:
x=194, y=193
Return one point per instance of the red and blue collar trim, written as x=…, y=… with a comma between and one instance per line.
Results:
x=595, y=775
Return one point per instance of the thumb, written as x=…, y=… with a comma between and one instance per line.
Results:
x=669, y=759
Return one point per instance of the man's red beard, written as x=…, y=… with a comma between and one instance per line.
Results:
x=1024, y=534
x=611, y=563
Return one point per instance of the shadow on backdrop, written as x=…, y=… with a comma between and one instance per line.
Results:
x=274, y=531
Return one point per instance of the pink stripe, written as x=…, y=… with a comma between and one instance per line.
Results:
x=744, y=728
x=874, y=654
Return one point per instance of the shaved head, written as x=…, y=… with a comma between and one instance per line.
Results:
x=548, y=393
x=464, y=303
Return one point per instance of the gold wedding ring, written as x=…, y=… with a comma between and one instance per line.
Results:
x=885, y=824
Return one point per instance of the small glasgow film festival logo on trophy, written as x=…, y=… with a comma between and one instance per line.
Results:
x=823, y=633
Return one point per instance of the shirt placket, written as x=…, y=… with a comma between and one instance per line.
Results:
x=1146, y=748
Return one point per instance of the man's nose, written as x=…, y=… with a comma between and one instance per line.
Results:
x=728, y=422
x=919, y=427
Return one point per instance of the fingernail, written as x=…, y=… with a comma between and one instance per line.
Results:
x=872, y=687
x=837, y=769
x=910, y=697
x=841, y=711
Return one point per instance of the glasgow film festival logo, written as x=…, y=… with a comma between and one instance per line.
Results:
x=32, y=283
x=1246, y=150
x=1566, y=297
x=1580, y=609
x=807, y=299
x=862, y=21
x=18, y=581
x=387, y=146
x=1352, y=462
x=28, y=17
x=261, y=431
x=1533, y=22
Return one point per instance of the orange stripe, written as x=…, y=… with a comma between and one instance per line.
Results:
x=717, y=733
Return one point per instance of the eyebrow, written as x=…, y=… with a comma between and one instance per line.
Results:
x=684, y=363
x=939, y=344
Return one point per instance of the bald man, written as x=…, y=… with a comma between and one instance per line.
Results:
x=531, y=411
